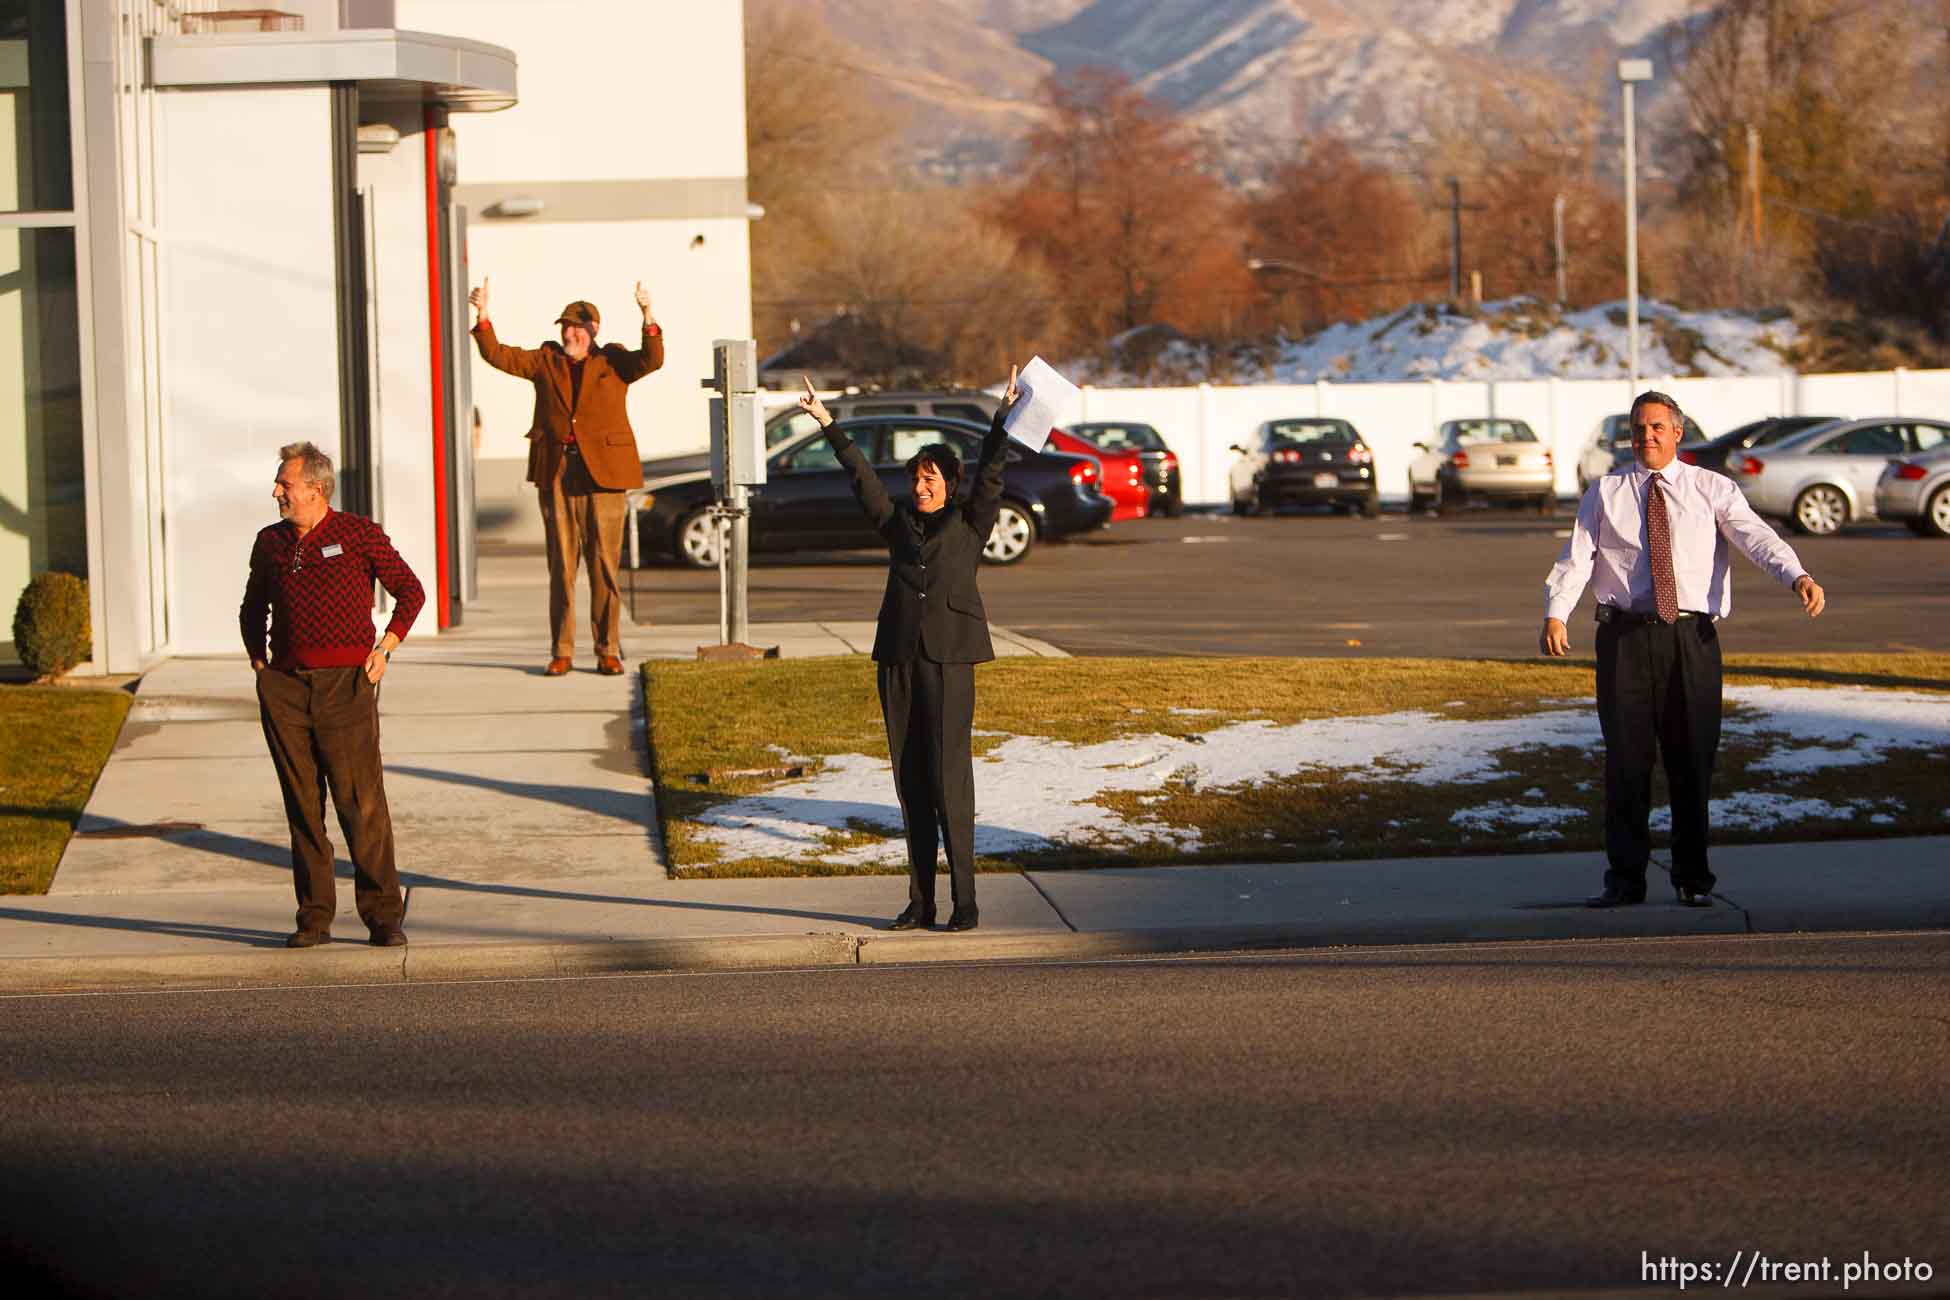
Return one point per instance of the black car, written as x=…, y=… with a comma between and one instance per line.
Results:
x=790, y=422
x=1755, y=433
x=807, y=501
x=1312, y=461
x=1160, y=462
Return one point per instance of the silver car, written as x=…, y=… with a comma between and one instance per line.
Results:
x=1482, y=460
x=1610, y=445
x=1826, y=477
x=1917, y=491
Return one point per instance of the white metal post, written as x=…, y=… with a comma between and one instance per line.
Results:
x=1631, y=242
x=1630, y=71
x=1557, y=238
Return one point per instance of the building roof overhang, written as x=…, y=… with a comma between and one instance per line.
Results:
x=464, y=76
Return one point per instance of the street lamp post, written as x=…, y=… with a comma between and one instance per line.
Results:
x=1629, y=72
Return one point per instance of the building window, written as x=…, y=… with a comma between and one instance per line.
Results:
x=36, y=163
x=43, y=516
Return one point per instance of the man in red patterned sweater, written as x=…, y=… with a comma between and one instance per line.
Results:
x=317, y=688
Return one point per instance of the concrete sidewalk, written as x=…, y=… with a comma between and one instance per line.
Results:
x=528, y=838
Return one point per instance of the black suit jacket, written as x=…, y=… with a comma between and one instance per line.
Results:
x=932, y=608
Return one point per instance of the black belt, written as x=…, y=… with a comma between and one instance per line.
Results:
x=1632, y=618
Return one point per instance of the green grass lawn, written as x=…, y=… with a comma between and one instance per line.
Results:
x=53, y=743
x=709, y=722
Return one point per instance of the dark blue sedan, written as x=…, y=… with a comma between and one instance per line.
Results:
x=807, y=501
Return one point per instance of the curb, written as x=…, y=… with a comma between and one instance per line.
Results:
x=350, y=964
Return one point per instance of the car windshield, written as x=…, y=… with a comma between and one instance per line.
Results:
x=1294, y=433
x=904, y=440
x=1492, y=431
x=792, y=425
x=1122, y=437
x=1781, y=430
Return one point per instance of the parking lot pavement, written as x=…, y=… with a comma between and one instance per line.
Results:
x=1315, y=584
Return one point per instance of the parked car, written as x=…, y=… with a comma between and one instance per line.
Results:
x=1160, y=462
x=807, y=501
x=1317, y=462
x=1610, y=445
x=1483, y=460
x=1822, y=478
x=791, y=422
x=1917, y=491
x=1755, y=433
x=1123, y=477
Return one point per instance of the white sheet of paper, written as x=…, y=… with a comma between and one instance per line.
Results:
x=1047, y=400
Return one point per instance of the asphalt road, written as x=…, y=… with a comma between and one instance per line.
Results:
x=1529, y=1118
x=1317, y=584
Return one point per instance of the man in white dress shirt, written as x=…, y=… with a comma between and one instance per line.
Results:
x=1651, y=538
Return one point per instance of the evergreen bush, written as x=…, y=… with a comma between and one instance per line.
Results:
x=51, y=624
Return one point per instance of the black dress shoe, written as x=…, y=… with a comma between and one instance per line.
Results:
x=1613, y=898
x=964, y=918
x=307, y=938
x=388, y=936
x=1690, y=897
x=913, y=919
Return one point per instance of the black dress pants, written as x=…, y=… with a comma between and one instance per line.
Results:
x=1658, y=691
x=929, y=709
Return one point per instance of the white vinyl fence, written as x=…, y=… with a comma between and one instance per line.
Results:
x=1201, y=423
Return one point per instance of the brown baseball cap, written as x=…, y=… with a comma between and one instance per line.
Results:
x=580, y=313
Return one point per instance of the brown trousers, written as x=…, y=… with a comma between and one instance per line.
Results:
x=322, y=725
x=582, y=522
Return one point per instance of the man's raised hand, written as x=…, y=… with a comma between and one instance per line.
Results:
x=1013, y=391
x=479, y=300
x=1555, y=639
x=643, y=299
x=811, y=405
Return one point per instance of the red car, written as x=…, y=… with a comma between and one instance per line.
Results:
x=1124, y=484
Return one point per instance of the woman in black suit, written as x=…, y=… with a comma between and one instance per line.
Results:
x=932, y=632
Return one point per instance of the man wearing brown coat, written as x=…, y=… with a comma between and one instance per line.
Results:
x=582, y=458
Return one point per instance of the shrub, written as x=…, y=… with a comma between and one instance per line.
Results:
x=51, y=624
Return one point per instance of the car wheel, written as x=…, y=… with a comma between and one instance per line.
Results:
x=1371, y=505
x=1547, y=503
x=1446, y=502
x=1418, y=501
x=1820, y=510
x=697, y=539
x=1014, y=533
x=1175, y=504
x=1935, y=520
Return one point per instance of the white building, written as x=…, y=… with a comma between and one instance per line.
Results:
x=624, y=161
x=223, y=229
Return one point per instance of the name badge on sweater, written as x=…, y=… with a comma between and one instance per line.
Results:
x=327, y=552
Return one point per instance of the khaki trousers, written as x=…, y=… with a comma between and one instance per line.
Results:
x=322, y=725
x=582, y=523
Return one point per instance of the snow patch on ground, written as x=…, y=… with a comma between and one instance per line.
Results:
x=1841, y=726
x=1492, y=816
x=1035, y=793
x=1515, y=338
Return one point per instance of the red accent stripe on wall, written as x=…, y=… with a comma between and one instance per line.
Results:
x=436, y=334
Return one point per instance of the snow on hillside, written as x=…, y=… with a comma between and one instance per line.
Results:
x=1518, y=338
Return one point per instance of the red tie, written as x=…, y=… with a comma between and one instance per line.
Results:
x=1658, y=532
